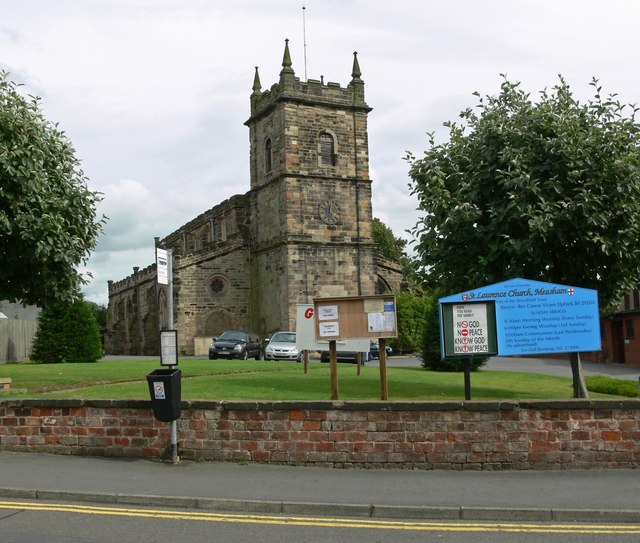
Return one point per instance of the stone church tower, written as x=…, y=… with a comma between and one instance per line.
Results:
x=303, y=230
x=310, y=193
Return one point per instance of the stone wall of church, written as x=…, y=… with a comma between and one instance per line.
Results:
x=212, y=279
x=212, y=286
x=308, y=271
x=288, y=211
x=132, y=315
x=390, y=276
x=213, y=293
x=292, y=114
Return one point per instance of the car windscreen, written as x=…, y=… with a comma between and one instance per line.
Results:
x=233, y=336
x=284, y=337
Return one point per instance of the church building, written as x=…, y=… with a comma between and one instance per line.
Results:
x=303, y=230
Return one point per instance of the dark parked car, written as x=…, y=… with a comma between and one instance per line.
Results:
x=374, y=350
x=235, y=344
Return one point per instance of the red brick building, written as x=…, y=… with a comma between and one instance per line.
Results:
x=618, y=329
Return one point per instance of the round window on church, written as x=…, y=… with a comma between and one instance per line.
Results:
x=218, y=284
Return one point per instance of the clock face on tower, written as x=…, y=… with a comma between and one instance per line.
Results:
x=329, y=212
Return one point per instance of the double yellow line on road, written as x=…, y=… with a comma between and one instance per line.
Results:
x=283, y=520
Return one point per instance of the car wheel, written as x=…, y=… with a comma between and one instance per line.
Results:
x=245, y=355
x=213, y=357
x=259, y=356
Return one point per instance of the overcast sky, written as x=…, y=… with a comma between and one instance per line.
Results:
x=154, y=93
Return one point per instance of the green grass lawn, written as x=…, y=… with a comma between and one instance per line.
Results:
x=262, y=380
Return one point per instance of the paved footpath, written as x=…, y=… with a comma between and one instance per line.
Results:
x=558, y=495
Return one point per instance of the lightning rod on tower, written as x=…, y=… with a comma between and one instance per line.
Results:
x=304, y=41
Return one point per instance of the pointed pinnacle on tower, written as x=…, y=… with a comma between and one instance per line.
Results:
x=355, y=72
x=257, y=86
x=286, y=59
x=356, y=84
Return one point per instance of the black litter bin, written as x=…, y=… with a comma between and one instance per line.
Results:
x=165, y=391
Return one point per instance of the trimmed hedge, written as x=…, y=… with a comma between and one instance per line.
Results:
x=67, y=333
x=611, y=385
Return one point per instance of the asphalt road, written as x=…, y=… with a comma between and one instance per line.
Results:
x=561, y=368
x=548, y=366
x=56, y=522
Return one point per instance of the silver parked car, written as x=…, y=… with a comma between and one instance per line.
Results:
x=282, y=346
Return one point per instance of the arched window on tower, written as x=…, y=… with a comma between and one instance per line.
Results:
x=327, y=151
x=268, y=156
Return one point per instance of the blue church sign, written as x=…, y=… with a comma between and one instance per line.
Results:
x=519, y=317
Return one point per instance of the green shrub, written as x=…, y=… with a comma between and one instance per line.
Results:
x=67, y=333
x=412, y=311
x=610, y=385
x=48, y=348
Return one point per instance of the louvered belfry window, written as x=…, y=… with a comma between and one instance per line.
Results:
x=327, y=150
x=268, y=165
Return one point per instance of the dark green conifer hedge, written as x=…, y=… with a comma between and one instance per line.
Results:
x=67, y=333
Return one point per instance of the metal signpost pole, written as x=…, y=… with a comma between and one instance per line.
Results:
x=333, y=368
x=467, y=379
x=168, y=355
x=382, y=354
x=173, y=423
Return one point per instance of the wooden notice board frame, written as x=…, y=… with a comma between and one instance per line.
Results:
x=356, y=317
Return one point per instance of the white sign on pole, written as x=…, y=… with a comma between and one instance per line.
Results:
x=169, y=348
x=162, y=266
x=470, y=333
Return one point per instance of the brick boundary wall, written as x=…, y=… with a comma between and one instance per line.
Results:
x=460, y=435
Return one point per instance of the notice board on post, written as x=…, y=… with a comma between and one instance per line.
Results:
x=526, y=317
x=356, y=317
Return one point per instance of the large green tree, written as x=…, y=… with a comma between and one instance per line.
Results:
x=546, y=190
x=394, y=248
x=48, y=221
x=388, y=244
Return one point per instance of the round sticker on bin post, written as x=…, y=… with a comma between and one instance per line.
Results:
x=158, y=391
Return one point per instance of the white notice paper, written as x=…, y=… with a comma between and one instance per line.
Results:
x=374, y=322
x=328, y=329
x=327, y=312
x=381, y=322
